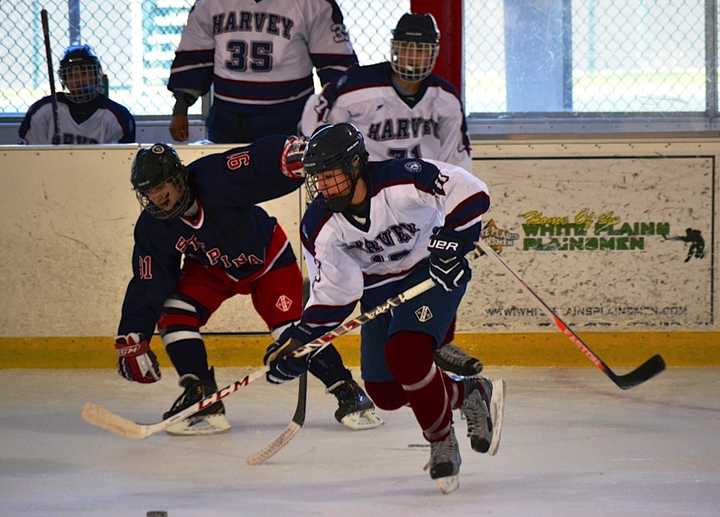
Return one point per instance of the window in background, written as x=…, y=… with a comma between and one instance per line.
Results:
x=589, y=58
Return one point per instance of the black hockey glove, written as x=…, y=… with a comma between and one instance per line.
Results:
x=284, y=367
x=448, y=266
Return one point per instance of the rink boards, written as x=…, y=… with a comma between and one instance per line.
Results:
x=618, y=236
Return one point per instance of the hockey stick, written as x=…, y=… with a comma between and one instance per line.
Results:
x=289, y=433
x=642, y=373
x=101, y=417
x=51, y=75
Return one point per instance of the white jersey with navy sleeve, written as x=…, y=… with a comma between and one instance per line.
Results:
x=100, y=121
x=407, y=200
x=433, y=127
x=260, y=52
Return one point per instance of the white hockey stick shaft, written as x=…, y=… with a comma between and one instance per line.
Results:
x=103, y=418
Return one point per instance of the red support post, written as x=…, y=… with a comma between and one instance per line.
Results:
x=448, y=14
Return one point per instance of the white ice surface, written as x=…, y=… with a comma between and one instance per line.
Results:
x=573, y=445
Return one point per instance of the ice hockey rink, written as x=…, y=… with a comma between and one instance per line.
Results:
x=573, y=444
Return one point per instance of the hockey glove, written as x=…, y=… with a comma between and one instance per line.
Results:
x=136, y=362
x=284, y=367
x=291, y=158
x=448, y=266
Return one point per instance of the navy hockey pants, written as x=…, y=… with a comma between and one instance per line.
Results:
x=431, y=313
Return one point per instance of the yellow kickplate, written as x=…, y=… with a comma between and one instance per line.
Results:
x=529, y=349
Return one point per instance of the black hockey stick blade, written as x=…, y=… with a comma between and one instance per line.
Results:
x=642, y=373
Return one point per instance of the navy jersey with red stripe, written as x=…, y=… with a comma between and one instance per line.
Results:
x=228, y=231
x=259, y=53
x=348, y=254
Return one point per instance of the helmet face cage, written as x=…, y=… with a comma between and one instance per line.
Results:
x=341, y=148
x=414, y=46
x=411, y=60
x=153, y=167
x=338, y=188
x=80, y=74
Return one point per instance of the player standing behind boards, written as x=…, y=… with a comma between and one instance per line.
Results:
x=85, y=114
x=404, y=111
x=258, y=56
x=374, y=230
x=206, y=213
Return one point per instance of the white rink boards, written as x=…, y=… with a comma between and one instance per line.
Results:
x=598, y=227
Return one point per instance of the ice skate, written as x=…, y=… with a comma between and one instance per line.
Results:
x=208, y=421
x=453, y=359
x=355, y=409
x=444, y=464
x=483, y=408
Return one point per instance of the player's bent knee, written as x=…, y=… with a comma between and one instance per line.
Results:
x=386, y=395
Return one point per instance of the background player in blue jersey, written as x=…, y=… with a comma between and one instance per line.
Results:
x=259, y=57
x=403, y=111
x=85, y=114
x=373, y=230
x=206, y=214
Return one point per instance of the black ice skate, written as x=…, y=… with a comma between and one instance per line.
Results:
x=355, y=409
x=453, y=359
x=444, y=464
x=211, y=420
x=483, y=408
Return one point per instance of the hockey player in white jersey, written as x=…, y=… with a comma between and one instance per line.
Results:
x=84, y=114
x=404, y=111
x=258, y=55
x=373, y=230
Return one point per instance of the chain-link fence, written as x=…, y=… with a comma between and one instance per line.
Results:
x=136, y=41
x=575, y=56
x=587, y=55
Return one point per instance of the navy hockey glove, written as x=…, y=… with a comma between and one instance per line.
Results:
x=284, y=367
x=136, y=362
x=448, y=266
x=291, y=158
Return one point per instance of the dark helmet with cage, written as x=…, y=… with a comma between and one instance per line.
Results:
x=414, y=46
x=333, y=159
x=80, y=73
x=154, y=166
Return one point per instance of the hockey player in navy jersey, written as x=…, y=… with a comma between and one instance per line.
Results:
x=85, y=115
x=206, y=213
x=403, y=111
x=258, y=56
x=373, y=230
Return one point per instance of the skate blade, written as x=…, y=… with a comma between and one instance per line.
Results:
x=448, y=484
x=497, y=411
x=361, y=420
x=207, y=424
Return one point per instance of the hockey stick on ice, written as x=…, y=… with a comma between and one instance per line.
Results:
x=289, y=433
x=642, y=373
x=51, y=75
x=103, y=418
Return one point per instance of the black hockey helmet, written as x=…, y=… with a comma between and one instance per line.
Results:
x=80, y=73
x=414, y=46
x=335, y=146
x=153, y=166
